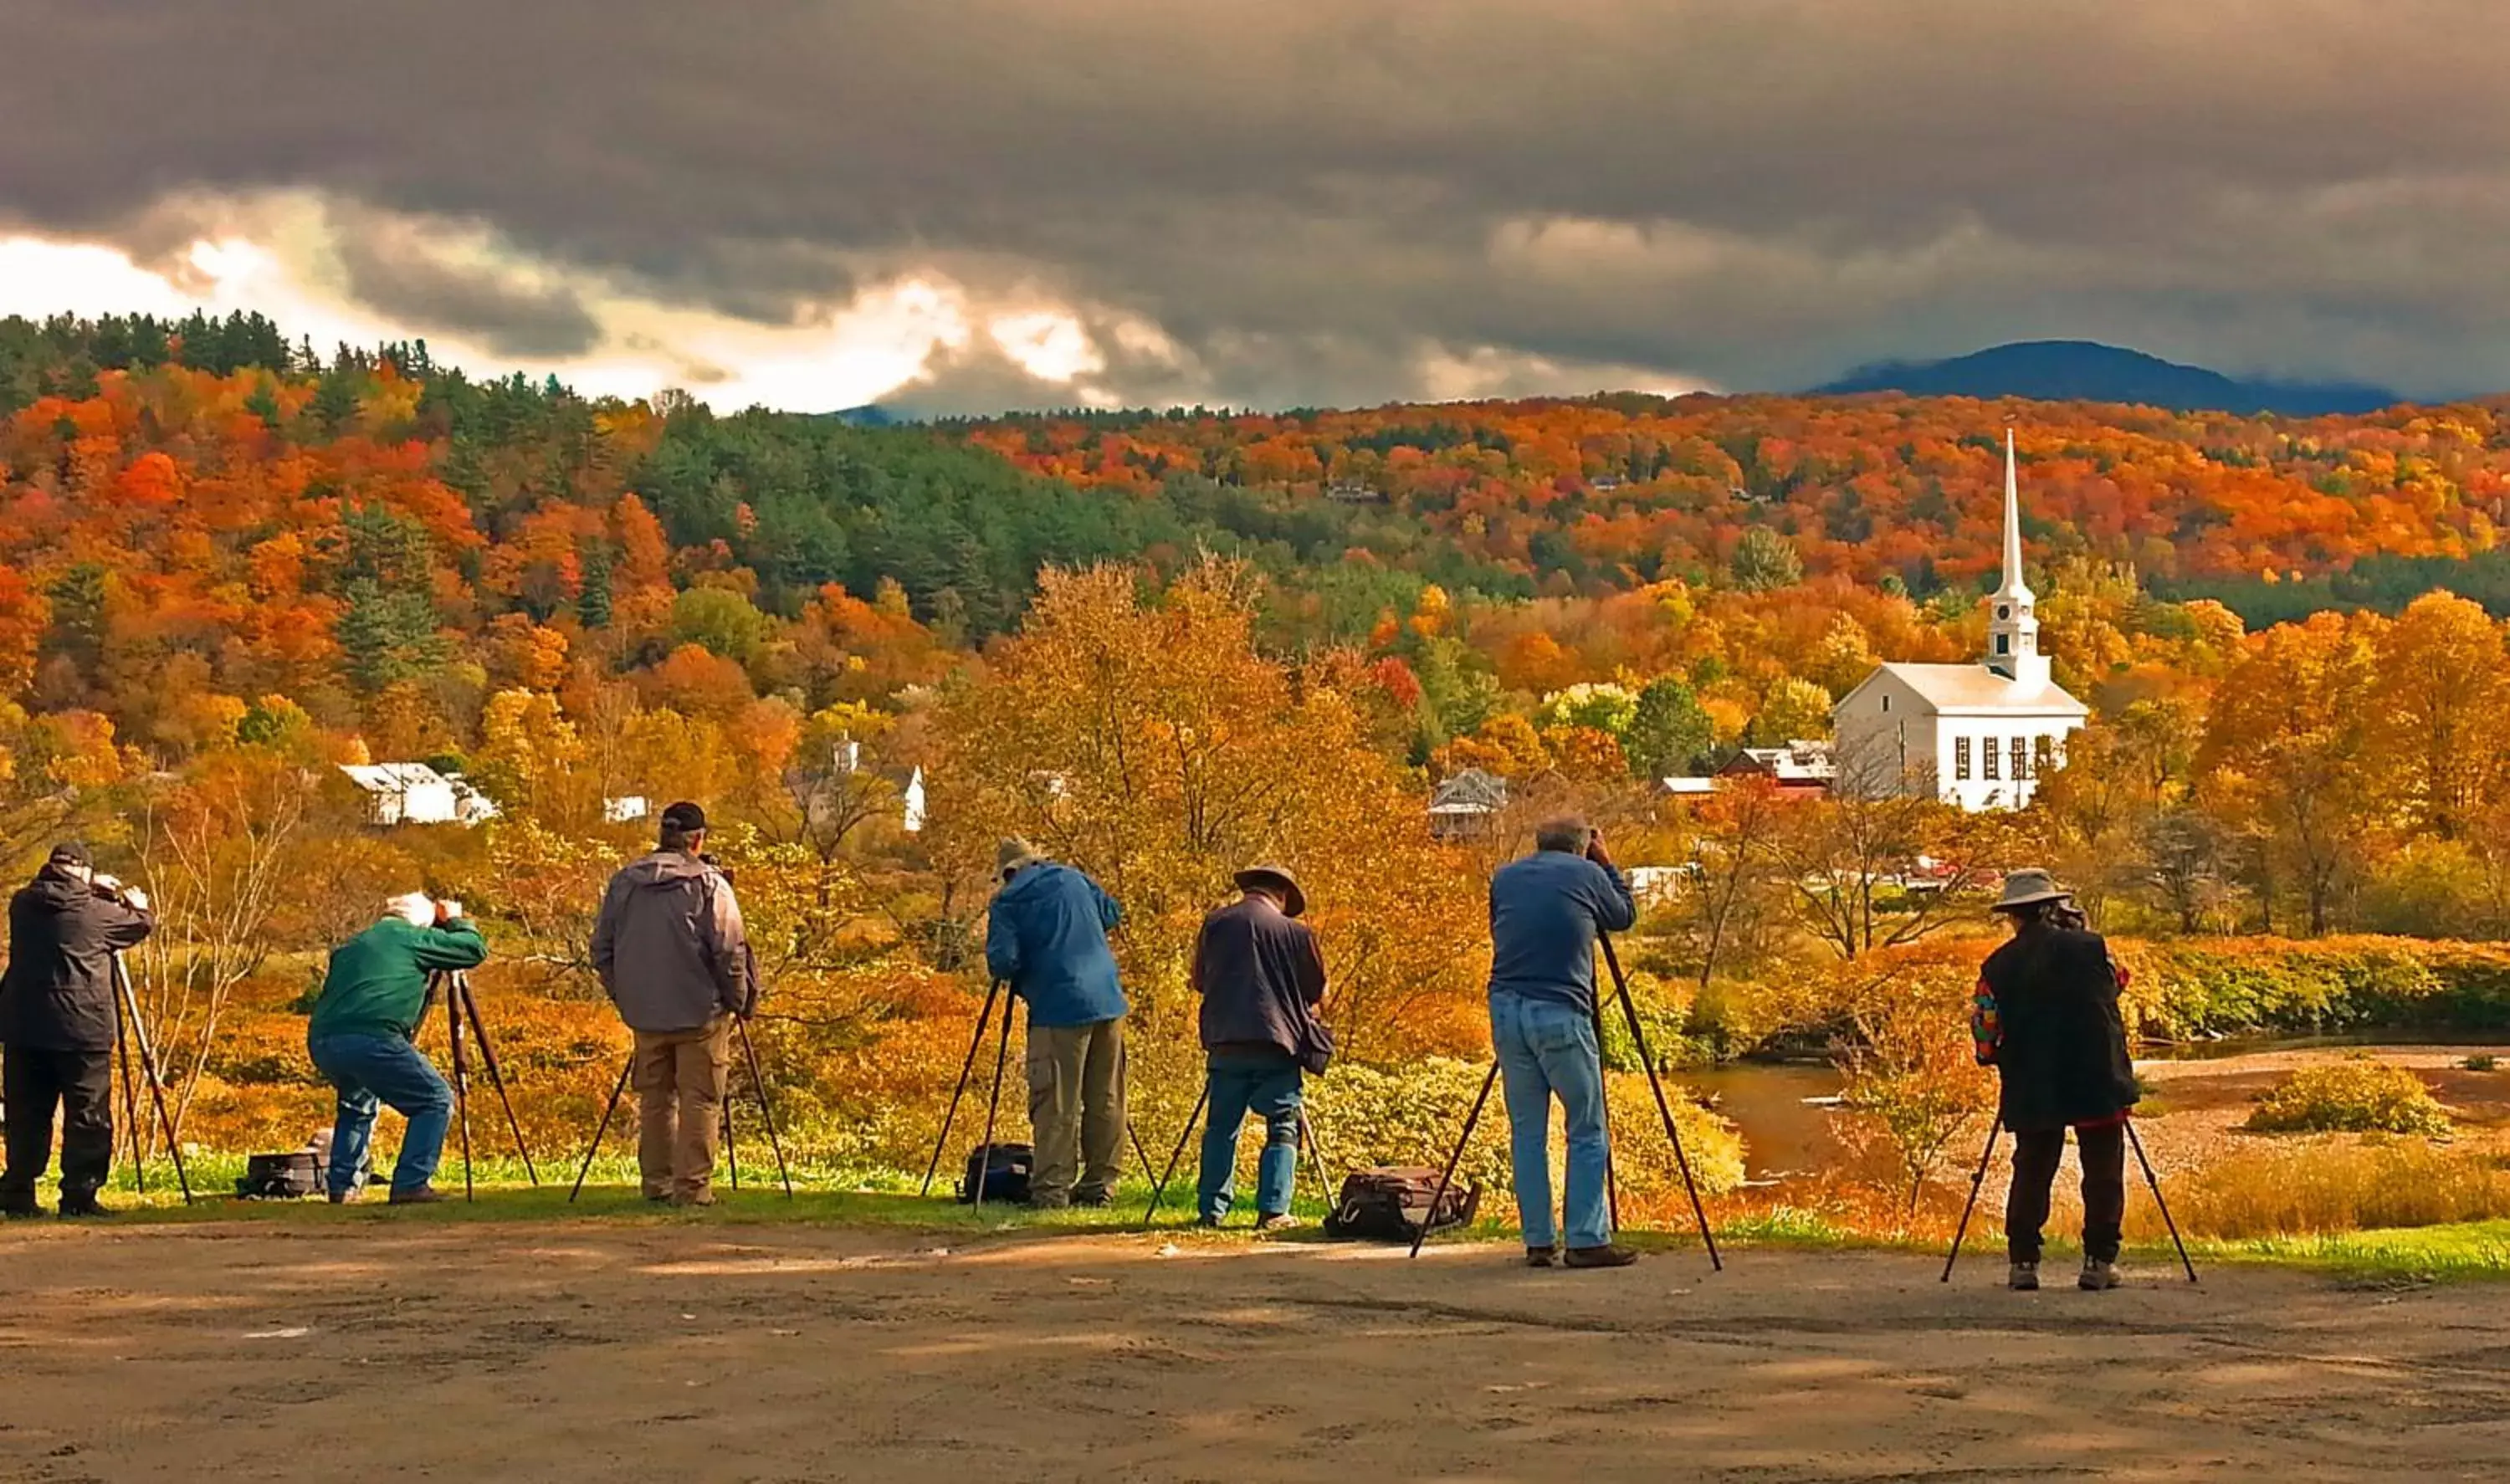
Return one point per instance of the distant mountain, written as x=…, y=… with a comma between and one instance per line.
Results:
x=2082, y=370
x=868, y=415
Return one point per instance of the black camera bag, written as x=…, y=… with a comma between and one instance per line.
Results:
x=1004, y=1169
x=1392, y=1203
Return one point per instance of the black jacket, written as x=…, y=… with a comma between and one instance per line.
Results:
x=2063, y=1058
x=1260, y=975
x=57, y=992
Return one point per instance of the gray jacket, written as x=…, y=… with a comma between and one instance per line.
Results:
x=669, y=946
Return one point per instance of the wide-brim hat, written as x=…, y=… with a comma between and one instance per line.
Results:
x=2029, y=889
x=1276, y=877
x=1015, y=854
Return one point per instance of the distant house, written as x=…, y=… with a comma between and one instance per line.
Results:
x=1353, y=492
x=1467, y=806
x=470, y=804
x=1604, y=483
x=626, y=809
x=1799, y=767
x=1688, y=787
x=1656, y=886
x=406, y=793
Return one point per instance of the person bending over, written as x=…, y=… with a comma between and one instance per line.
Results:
x=1546, y=910
x=2046, y=1018
x=676, y=959
x=363, y=1039
x=1261, y=976
x=56, y=1023
x=1046, y=936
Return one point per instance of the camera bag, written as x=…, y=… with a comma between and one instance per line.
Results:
x=1394, y=1203
x=1004, y=1168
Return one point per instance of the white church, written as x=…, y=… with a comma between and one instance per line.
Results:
x=1978, y=734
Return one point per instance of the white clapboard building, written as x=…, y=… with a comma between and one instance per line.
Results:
x=1977, y=735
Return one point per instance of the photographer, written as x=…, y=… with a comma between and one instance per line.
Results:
x=2046, y=1018
x=56, y=1025
x=365, y=1021
x=1046, y=936
x=1261, y=976
x=676, y=959
x=1546, y=911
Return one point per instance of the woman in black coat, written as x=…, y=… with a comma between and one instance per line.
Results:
x=2047, y=1018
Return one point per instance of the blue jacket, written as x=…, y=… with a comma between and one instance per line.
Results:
x=1545, y=910
x=1046, y=937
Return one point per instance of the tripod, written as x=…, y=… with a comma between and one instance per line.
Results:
x=757, y=1086
x=130, y=1034
x=966, y=1067
x=461, y=1007
x=1996, y=1130
x=1664, y=1108
x=1312, y=1145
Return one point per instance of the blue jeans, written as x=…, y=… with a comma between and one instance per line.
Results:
x=1547, y=1048
x=1243, y=1082
x=367, y=1070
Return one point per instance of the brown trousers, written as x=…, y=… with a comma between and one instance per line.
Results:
x=1075, y=1111
x=680, y=1079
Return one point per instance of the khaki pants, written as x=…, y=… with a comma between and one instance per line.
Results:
x=1075, y=1111
x=679, y=1101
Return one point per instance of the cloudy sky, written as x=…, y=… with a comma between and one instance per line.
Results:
x=966, y=205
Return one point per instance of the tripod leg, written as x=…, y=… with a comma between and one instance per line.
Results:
x=616, y=1094
x=993, y=1106
x=1316, y=1157
x=496, y=1073
x=1664, y=1108
x=1159, y=1190
x=766, y=1110
x=974, y=1043
x=2156, y=1182
x=461, y=1080
x=731, y=1146
x=1447, y=1176
x=155, y=1080
x=130, y=1097
x=1994, y=1130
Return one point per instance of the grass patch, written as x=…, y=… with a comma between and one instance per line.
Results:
x=2354, y=1095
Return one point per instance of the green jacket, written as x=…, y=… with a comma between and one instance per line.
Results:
x=377, y=983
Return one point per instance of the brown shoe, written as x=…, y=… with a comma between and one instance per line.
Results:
x=1541, y=1257
x=1609, y=1255
x=1279, y=1221
x=425, y=1194
x=693, y=1198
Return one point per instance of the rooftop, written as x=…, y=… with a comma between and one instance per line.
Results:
x=1973, y=687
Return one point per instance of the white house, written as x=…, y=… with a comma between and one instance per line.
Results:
x=1465, y=807
x=406, y=793
x=1977, y=733
x=908, y=781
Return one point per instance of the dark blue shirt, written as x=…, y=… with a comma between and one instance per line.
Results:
x=1046, y=937
x=1545, y=911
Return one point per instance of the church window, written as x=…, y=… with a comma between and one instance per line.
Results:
x=1989, y=767
x=2004, y=644
x=2046, y=750
x=2021, y=758
x=1886, y=702
x=2002, y=612
x=1960, y=759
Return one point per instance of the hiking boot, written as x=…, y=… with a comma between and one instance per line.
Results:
x=340, y=1198
x=1207, y=1223
x=2098, y=1277
x=1279, y=1221
x=1054, y=1202
x=82, y=1208
x=1094, y=1199
x=425, y=1194
x=2023, y=1278
x=1541, y=1257
x=1609, y=1255
x=690, y=1199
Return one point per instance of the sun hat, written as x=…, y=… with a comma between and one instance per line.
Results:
x=2029, y=889
x=1274, y=878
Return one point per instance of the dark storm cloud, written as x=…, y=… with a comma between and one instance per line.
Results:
x=1304, y=193
x=418, y=278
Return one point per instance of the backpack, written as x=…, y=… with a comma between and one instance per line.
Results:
x=281, y=1177
x=1392, y=1204
x=1004, y=1169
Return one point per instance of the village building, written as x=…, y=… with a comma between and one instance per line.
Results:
x=1978, y=735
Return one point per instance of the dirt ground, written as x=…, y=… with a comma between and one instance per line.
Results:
x=704, y=1350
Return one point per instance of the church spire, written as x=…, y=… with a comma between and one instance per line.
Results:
x=2013, y=630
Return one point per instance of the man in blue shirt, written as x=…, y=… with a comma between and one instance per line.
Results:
x=1046, y=938
x=1544, y=912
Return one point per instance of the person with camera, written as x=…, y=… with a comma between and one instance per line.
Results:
x=1261, y=976
x=363, y=1041
x=2046, y=1018
x=1046, y=937
x=676, y=959
x=1546, y=910
x=56, y=1026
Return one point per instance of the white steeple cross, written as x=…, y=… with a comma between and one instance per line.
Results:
x=2013, y=630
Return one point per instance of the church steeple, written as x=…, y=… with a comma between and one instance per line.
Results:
x=2013, y=630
